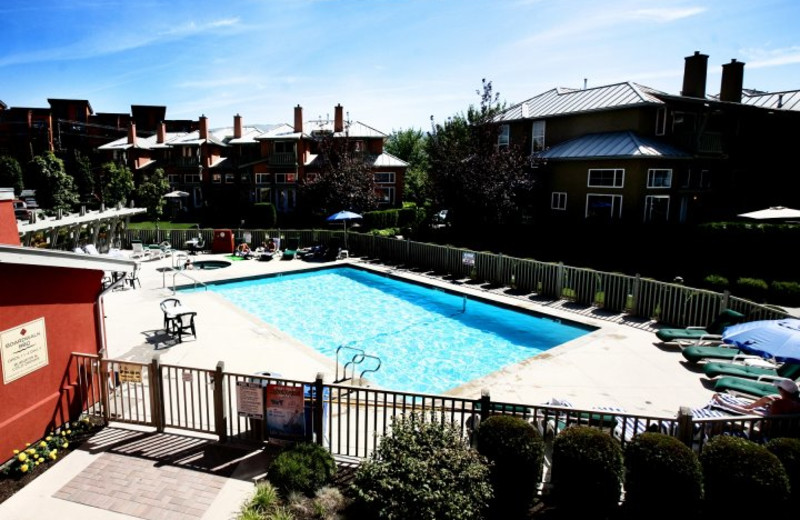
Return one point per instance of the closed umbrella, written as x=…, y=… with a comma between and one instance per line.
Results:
x=344, y=216
x=777, y=339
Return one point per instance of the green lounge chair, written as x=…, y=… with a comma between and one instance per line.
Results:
x=712, y=331
x=740, y=385
x=697, y=353
x=787, y=370
x=292, y=245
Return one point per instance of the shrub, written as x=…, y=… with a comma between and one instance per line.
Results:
x=732, y=466
x=304, y=468
x=785, y=293
x=663, y=474
x=516, y=450
x=587, y=470
x=716, y=282
x=262, y=216
x=752, y=288
x=423, y=470
x=788, y=452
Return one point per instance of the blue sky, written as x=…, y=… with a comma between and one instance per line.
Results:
x=392, y=64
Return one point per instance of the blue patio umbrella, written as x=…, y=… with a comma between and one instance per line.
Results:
x=344, y=216
x=776, y=339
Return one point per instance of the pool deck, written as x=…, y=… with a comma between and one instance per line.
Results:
x=124, y=472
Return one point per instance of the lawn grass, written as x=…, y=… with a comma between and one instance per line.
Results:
x=162, y=224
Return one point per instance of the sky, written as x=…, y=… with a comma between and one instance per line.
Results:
x=392, y=64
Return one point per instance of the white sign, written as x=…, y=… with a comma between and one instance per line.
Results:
x=250, y=399
x=23, y=349
x=468, y=258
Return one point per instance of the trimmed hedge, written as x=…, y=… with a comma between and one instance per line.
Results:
x=788, y=452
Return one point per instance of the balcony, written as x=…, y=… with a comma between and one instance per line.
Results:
x=283, y=159
x=187, y=161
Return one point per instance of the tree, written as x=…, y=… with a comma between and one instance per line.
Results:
x=150, y=193
x=344, y=182
x=409, y=145
x=81, y=169
x=481, y=183
x=55, y=189
x=117, y=183
x=11, y=174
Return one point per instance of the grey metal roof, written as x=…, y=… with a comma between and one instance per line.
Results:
x=146, y=143
x=613, y=145
x=352, y=129
x=559, y=101
x=388, y=160
x=787, y=100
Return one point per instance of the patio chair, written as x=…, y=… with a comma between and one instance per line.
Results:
x=139, y=251
x=785, y=370
x=184, y=324
x=698, y=353
x=712, y=331
x=292, y=245
x=167, y=304
x=743, y=386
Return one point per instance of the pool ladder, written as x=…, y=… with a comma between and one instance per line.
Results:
x=357, y=358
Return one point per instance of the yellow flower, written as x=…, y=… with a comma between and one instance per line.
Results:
x=30, y=451
x=16, y=451
x=66, y=444
x=24, y=468
x=63, y=434
x=53, y=455
x=69, y=432
x=22, y=457
x=41, y=459
x=48, y=438
x=42, y=444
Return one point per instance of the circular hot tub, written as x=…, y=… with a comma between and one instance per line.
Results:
x=210, y=264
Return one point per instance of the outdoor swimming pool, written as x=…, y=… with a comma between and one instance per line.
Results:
x=428, y=340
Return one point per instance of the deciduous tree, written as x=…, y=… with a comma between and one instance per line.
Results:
x=150, y=193
x=55, y=189
x=409, y=145
x=117, y=183
x=11, y=174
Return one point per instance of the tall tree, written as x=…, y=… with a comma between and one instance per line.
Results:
x=117, y=183
x=409, y=145
x=11, y=174
x=55, y=189
x=344, y=182
x=481, y=183
x=80, y=167
x=150, y=193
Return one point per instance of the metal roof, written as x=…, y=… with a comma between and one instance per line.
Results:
x=613, y=145
x=352, y=129
x=787, y=100
x=388, y=160
x=559, y=101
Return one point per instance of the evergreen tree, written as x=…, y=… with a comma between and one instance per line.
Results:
x=11, y=174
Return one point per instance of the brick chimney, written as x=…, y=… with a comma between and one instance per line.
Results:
x=694, y=75
x=203, y=127
x=8, y=222
x=162, y=132
x=338, y=118
x=298, y=119
x=237, y=126
x=732, y=81
x=132, y=134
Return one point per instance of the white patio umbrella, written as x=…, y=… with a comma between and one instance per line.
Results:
x=175, y=195
x=774, y=212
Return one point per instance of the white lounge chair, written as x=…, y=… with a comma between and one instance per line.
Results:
x=139, y=251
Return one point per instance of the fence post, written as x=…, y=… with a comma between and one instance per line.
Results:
x=486, y=404
x=726, y=300
x=156, y=394
x=219, y=402
x=635, y=295
x=685, y=434
x=559, y=293
x=319, y=405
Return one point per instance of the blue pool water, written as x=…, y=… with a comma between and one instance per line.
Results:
x=428, y=340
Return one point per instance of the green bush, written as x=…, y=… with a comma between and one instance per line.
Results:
x=381, y=219
x=716, y=282
x=742, y=477
x=663, y=474
x=788, y=452
x=423, y=470
x=587, y=470
x=751, y=288
x=785, y=293
x=516, y=450
x=304, y=468
x=262, y=215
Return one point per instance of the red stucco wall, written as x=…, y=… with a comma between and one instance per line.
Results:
x=37, y=402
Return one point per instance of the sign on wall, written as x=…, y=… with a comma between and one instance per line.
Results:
x=23, y=349
x=129, y=373
x=468, y=258
x=285, y=411
x=250, y=399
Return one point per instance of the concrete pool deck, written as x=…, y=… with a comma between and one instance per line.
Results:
x=125, y=472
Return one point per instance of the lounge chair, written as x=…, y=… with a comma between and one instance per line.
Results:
x=91, y=249
x=712, y=331
x=743, y=386
x=786, y=370
x=292, y=245
x=697, y=353
x=139, y=251
x=333, y=249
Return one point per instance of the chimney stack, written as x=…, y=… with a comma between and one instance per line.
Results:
x=162, y=133
x=203, y=127
x=338, y=118
x=694, y=75
x=732, y=81
x=132, y=134
x=237, y=126
x=298, y=119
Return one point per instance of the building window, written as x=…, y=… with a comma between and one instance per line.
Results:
x=192, y=178
x=245, y=178
x=385, y=194
x=173, y=179
x=606, y=178
x=697, y=179
x=537, y=136
x=656, y=208
x=661, y=121
x=384, y=177
x=284, y=147
x=216, y=178
x=230, y=178
x=284, y=178
x=558, y=200
x=659, y=178
x=603, y=208
x=358, y=146
x=263, y=178
x=503, y=136
x=264, y=195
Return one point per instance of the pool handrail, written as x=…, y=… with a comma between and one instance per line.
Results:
x=357, y=358
x=183, y=273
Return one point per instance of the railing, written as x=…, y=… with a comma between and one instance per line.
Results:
x=183, y=273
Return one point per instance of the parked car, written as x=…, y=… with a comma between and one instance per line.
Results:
x=21, y=211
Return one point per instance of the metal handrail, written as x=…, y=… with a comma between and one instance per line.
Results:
x=357, y=358
x=376, y=358
x=183, y=273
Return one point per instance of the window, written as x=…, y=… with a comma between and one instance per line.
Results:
x=358, y=146
x=216, y=178
x=230, y=178
x=385, y=194
x=606, y=178
x=558, y=200
x=245, y=178
x=263, y=178
x=384, y=177
x=697, y=180
x=656, y=208
x=284, y=147
x=284, y=178
x=603, y=208
x=657, y=178
x=264, y=195
x=173, y=179
x=192, y=178
x=503, y=136
x=537, y=136
x=661, y=121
